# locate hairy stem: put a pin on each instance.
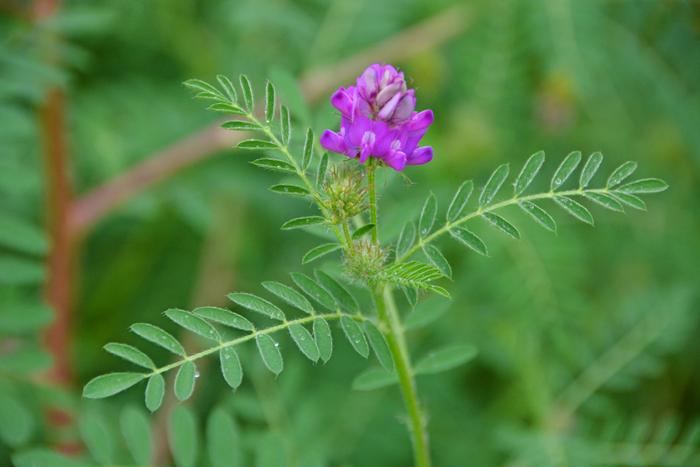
(348, 237)
(509, 202)
(388, 314)
(372, 198)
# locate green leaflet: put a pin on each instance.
(630, 200)
(324, 339)
(470, 240)
(459, 200)
(445, 359)
(270, 353)
(528, 172)
(247, 92)
(184, 380)
(231, 366)
(590, 169)
(300, 222)
(313, 290)
(182, 436)
(406, 239)
(256, 144)
(304, 341)
(285, 124)
(493, 185)
(575, 208)
(289, 295)
(565, 169)
(539, 215)
(308, 149)
(605, 200)
(364, 230)
(621, 173)
(223, 440)
(292, 190)
(110, 384)
(240, 125)
(155, 390)
(276, 165)
(344, 299)
(355, 336)
(322, 167)
(193, 323)
(501, 224)
(136, 429)
(228, 88)
(374, 378)
(645, 185)
(270, 102)
(319, 251)
(438, 260)
(379, 345)
(257, 304)
(427, 215)
(130, 353)
(159, 337)
(225, 317)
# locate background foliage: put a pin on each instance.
(587, 340)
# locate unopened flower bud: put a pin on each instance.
(365, 261)
(345, 193)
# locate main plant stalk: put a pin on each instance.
(389, 316)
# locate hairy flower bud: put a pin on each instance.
(365, 261)
(345, 193)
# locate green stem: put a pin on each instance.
(388, 315)
(372, 198)
(449, 225)
(348, 237)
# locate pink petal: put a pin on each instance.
(342, 101)
(333, 142)
(396, 160)
(420, 156)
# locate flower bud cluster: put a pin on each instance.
(365, 261)
(345, 193)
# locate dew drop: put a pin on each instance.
(277, 344)
(196, 374)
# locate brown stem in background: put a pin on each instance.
(315, 85)
(59, 285)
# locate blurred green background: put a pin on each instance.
(588, 340)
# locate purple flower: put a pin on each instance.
(378, 119)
